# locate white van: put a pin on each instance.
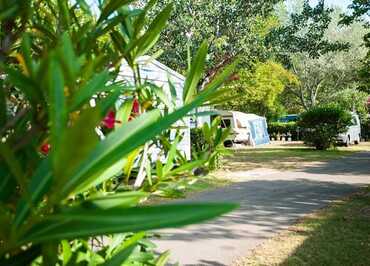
(353, 134)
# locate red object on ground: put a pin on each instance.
(136, 107)
(45, 148)
(110, 119)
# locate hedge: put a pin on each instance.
(277, 130)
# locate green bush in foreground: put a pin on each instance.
(207, 143)
(323, 124)
(56, 57)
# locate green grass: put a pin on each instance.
(337, 235)
(285, 156)
(185, 187)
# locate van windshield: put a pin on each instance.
(226, 123)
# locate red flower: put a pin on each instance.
(45, 148)
(136, 107)
(110, 119)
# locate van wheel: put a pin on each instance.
(357, 141)
(348, 142)
(228, 144)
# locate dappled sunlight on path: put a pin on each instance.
(270, 200)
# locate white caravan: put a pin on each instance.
(249, 129)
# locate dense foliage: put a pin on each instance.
(305, 33)
(208, 144)
(280, 130)
(360, 12)
(322, 125)
(60, 182)
(258, 91)
(234, 29)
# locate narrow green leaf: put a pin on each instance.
(130, 162)
(70, 62)
(148, 170)
(14, 165)
(162, 259)
(124, 112)
(195, 73)
(162, 96)
(40, 184)
(186, 167)
(93, 86)
(159, 169)
(121, 257)
(3, 108)
(118, 41)
(141, 20)
(75, 144)
(100, 176)
(110, 7)
(26, 52)
(124, 252)
(221, 78)
(79, 222)
(171, 156)
(66, 252)
(118, 144)
(57, 103)
(150, 37)
(23, 83)
(172, 90)
(64, 18)
(120, 199)
(84, 6)
(7, 184)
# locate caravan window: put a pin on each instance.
(226, 123)
(239, 124)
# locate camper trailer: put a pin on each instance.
(248, 129)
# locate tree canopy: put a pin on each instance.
(234, 29)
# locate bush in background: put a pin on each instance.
(323, 124)
(286, 129)
(365, 129)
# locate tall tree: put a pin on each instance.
(258, 91)
(360, 11)
(324, 56)
(305, 32)
(231, 27)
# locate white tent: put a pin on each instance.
(155, 72)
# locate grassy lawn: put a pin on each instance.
(186, 187)
(285, 156)
(337, 235)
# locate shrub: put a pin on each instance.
(52, 162)
(323, 124)
(207, 143)
(365, 129)
(291, 129)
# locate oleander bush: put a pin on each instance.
(58, 205)
(208, 144)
